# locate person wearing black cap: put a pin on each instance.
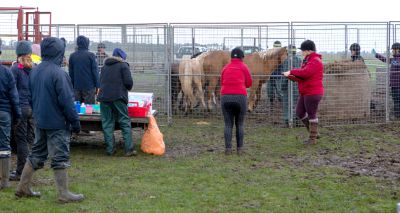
(310, 84)
(83, 71)
(355, 52)
(235, 78)
(9, 106)
(273, 85)
(394, 76)
(101, 55)
(24, 131)
(55, 116)
(115, 82)
(296, 63)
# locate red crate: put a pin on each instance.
(135, 111)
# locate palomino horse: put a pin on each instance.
(213, 63)
(261, 66)
(191, 77)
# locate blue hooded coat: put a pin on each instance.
(83, 67)
(9, 100)
(51, 89)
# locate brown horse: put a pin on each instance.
(261, 66)
(213, 63)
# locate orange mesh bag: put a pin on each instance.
(152, 140)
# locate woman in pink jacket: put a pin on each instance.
(311, 88)
(235, 78)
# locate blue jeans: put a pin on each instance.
(53, 143)
(5, 134)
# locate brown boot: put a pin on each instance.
(306, 123)
(313, 134)
(24, 186)
(228, 151)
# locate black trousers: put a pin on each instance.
(234, 109)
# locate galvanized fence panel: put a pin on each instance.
(188, 39)
(354, 93)
(146, 46)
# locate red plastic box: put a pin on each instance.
(135, 111)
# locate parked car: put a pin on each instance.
(187, 51)
(249, 49)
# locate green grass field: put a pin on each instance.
(352, 169)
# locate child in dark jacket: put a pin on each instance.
(24, 131)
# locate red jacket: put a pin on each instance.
(311, 74)
(235, 78)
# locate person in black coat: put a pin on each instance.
(115, 82)
(83, 71)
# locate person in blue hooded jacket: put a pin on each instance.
(9, 106)
(54, 112)
(83, 71)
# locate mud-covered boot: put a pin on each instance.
(24, 186)
(313, 134)
(240, 151)
(306, 123)
(5, 173)
(64, 195)
(228, 151)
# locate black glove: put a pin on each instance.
(76, 128)
(17, 121)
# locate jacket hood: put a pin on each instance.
(314, 55)
(82, 42)
(52, 49)
(112, 60)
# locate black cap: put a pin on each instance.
(355, 47)
(308, 45)
(237, 53)
(396, 46)
(101, 45)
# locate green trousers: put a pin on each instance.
(111, 112)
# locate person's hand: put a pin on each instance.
(97, 91)
(373, 52)
(76, 127)
(286, 74)
(17, 121)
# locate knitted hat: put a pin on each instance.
(277, 44)
(23, 48)
(308, 45)
(237, 53)
(36, 49)
(101, 45)
(119, 53)
(292, 48)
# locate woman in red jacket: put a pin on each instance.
(235, 78)
(309, 78)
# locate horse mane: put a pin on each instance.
(195, 55)
(271, 53)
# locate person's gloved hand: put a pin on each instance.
(17, 121)
(76, 127)
(373, 52)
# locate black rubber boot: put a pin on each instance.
(64, 195)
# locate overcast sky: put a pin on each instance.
(169, 11)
